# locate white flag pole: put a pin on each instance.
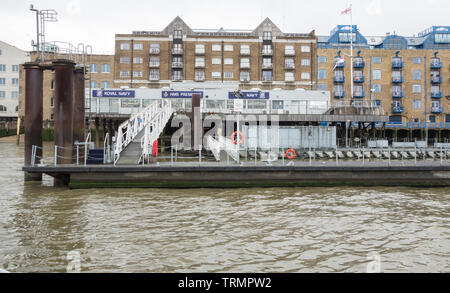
(351, 50)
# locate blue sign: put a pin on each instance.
(250, 95)
(179, 95)
(113, 94)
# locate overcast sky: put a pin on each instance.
(96, 21)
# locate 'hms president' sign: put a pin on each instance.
(113, 94)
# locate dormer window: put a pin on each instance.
(267, 36)
(178, 34)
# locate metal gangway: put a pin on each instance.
(138, 133)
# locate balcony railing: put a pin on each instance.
(398, 109)
(436, 95)
(267, 52)
(436, 80)
(154, 78)
(339, 78)
(359, 63)
(339, 94)
(155, 51)
(289, 52)
(177, 78)
(359, 79)
(177, 64)
(245, 52)
(177, 51)
(245, 65)
(397, 94)
(199, 51)
(289, 65)
(359, 94)
(397, 64)
(436, 64)
(397, 79)
(267, 65)
(200, 65)
(437, 110)
(154, 64)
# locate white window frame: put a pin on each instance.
(216, 47)
(216, 61)
(306, 62)
(216, 74)
(123, 59)
(124, 73)
(124, 46)
(306, 76)
(108, 66)
(306, 49)
(228, 61)
(228, 48)
(138, 60)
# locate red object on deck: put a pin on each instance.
(155, 148)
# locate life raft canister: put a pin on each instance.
(155, 148)
(241, 138)
(290, 154)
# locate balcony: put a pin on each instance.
(267, 52)
(177, 78)
(199, 51)
(397, 94)
(200, 78)
(154, 78)
(398, 109)
(155, 51)
(397, 79)
(436, 64)
(245, 66)
(436, 95)
(339, 94)
(245, 52)
(267, 66)
(359, 63)
(153, 64)
(436, 80)
(177, 64)
(339, 78)
(397, 64)
(200, 65)
(359, 95)
(177, 51)
(289, 53)
(359, 79)
(437, 110)
(289, 66)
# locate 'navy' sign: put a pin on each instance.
(180, 95)
(113, 94)
(250, 95)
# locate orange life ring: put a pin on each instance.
(290, 154)
(155, 148)
(241, 136)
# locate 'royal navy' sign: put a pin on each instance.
(249, 95)
(180, 94)
(113, 94)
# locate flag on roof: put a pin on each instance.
(347, 11)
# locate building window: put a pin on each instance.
(154, 61)
(3, 108)
(245, 63)
(94, 68)
(322, 86)
(138, 46)
(154, 74)
(124, 46)
(306, 62)
(417, 88)
(216, 74)
(267, 36)
(15, 68)
(124, 73)
(245, 76)
(289, 76)
(267, 75)
(199, 75)
(177, 75)
(105, 85)
(417, 104)
(278, 105)
(15, 81)
(432, 119)
(322, 74)
(2, 94)
(2, 81)
(377, 88)
(289, 50)
(442, 38)
(289, 63)
(154, 47)
(52, 102)
(377, 74)
(417, 75)
(306, 49)
(417, 60)
(435, 89)
(200, 49)
(52, 117)
(217, 47)
(1, 52)
(306, 75)
(228, 61)
(322, 59)
(106, 68)
(125, 60)
(377, 60)
(228, 75)
(216, 61)
(228, 48)
(2, 67)
(138, 60)
(200, 62)
(245, 49)
(94, 84)
(339, 89)
(177, 34)
(345, 37)
(14, 95)
(378, 103)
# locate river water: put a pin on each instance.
(207, 230)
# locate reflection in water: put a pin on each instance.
(204, 230)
